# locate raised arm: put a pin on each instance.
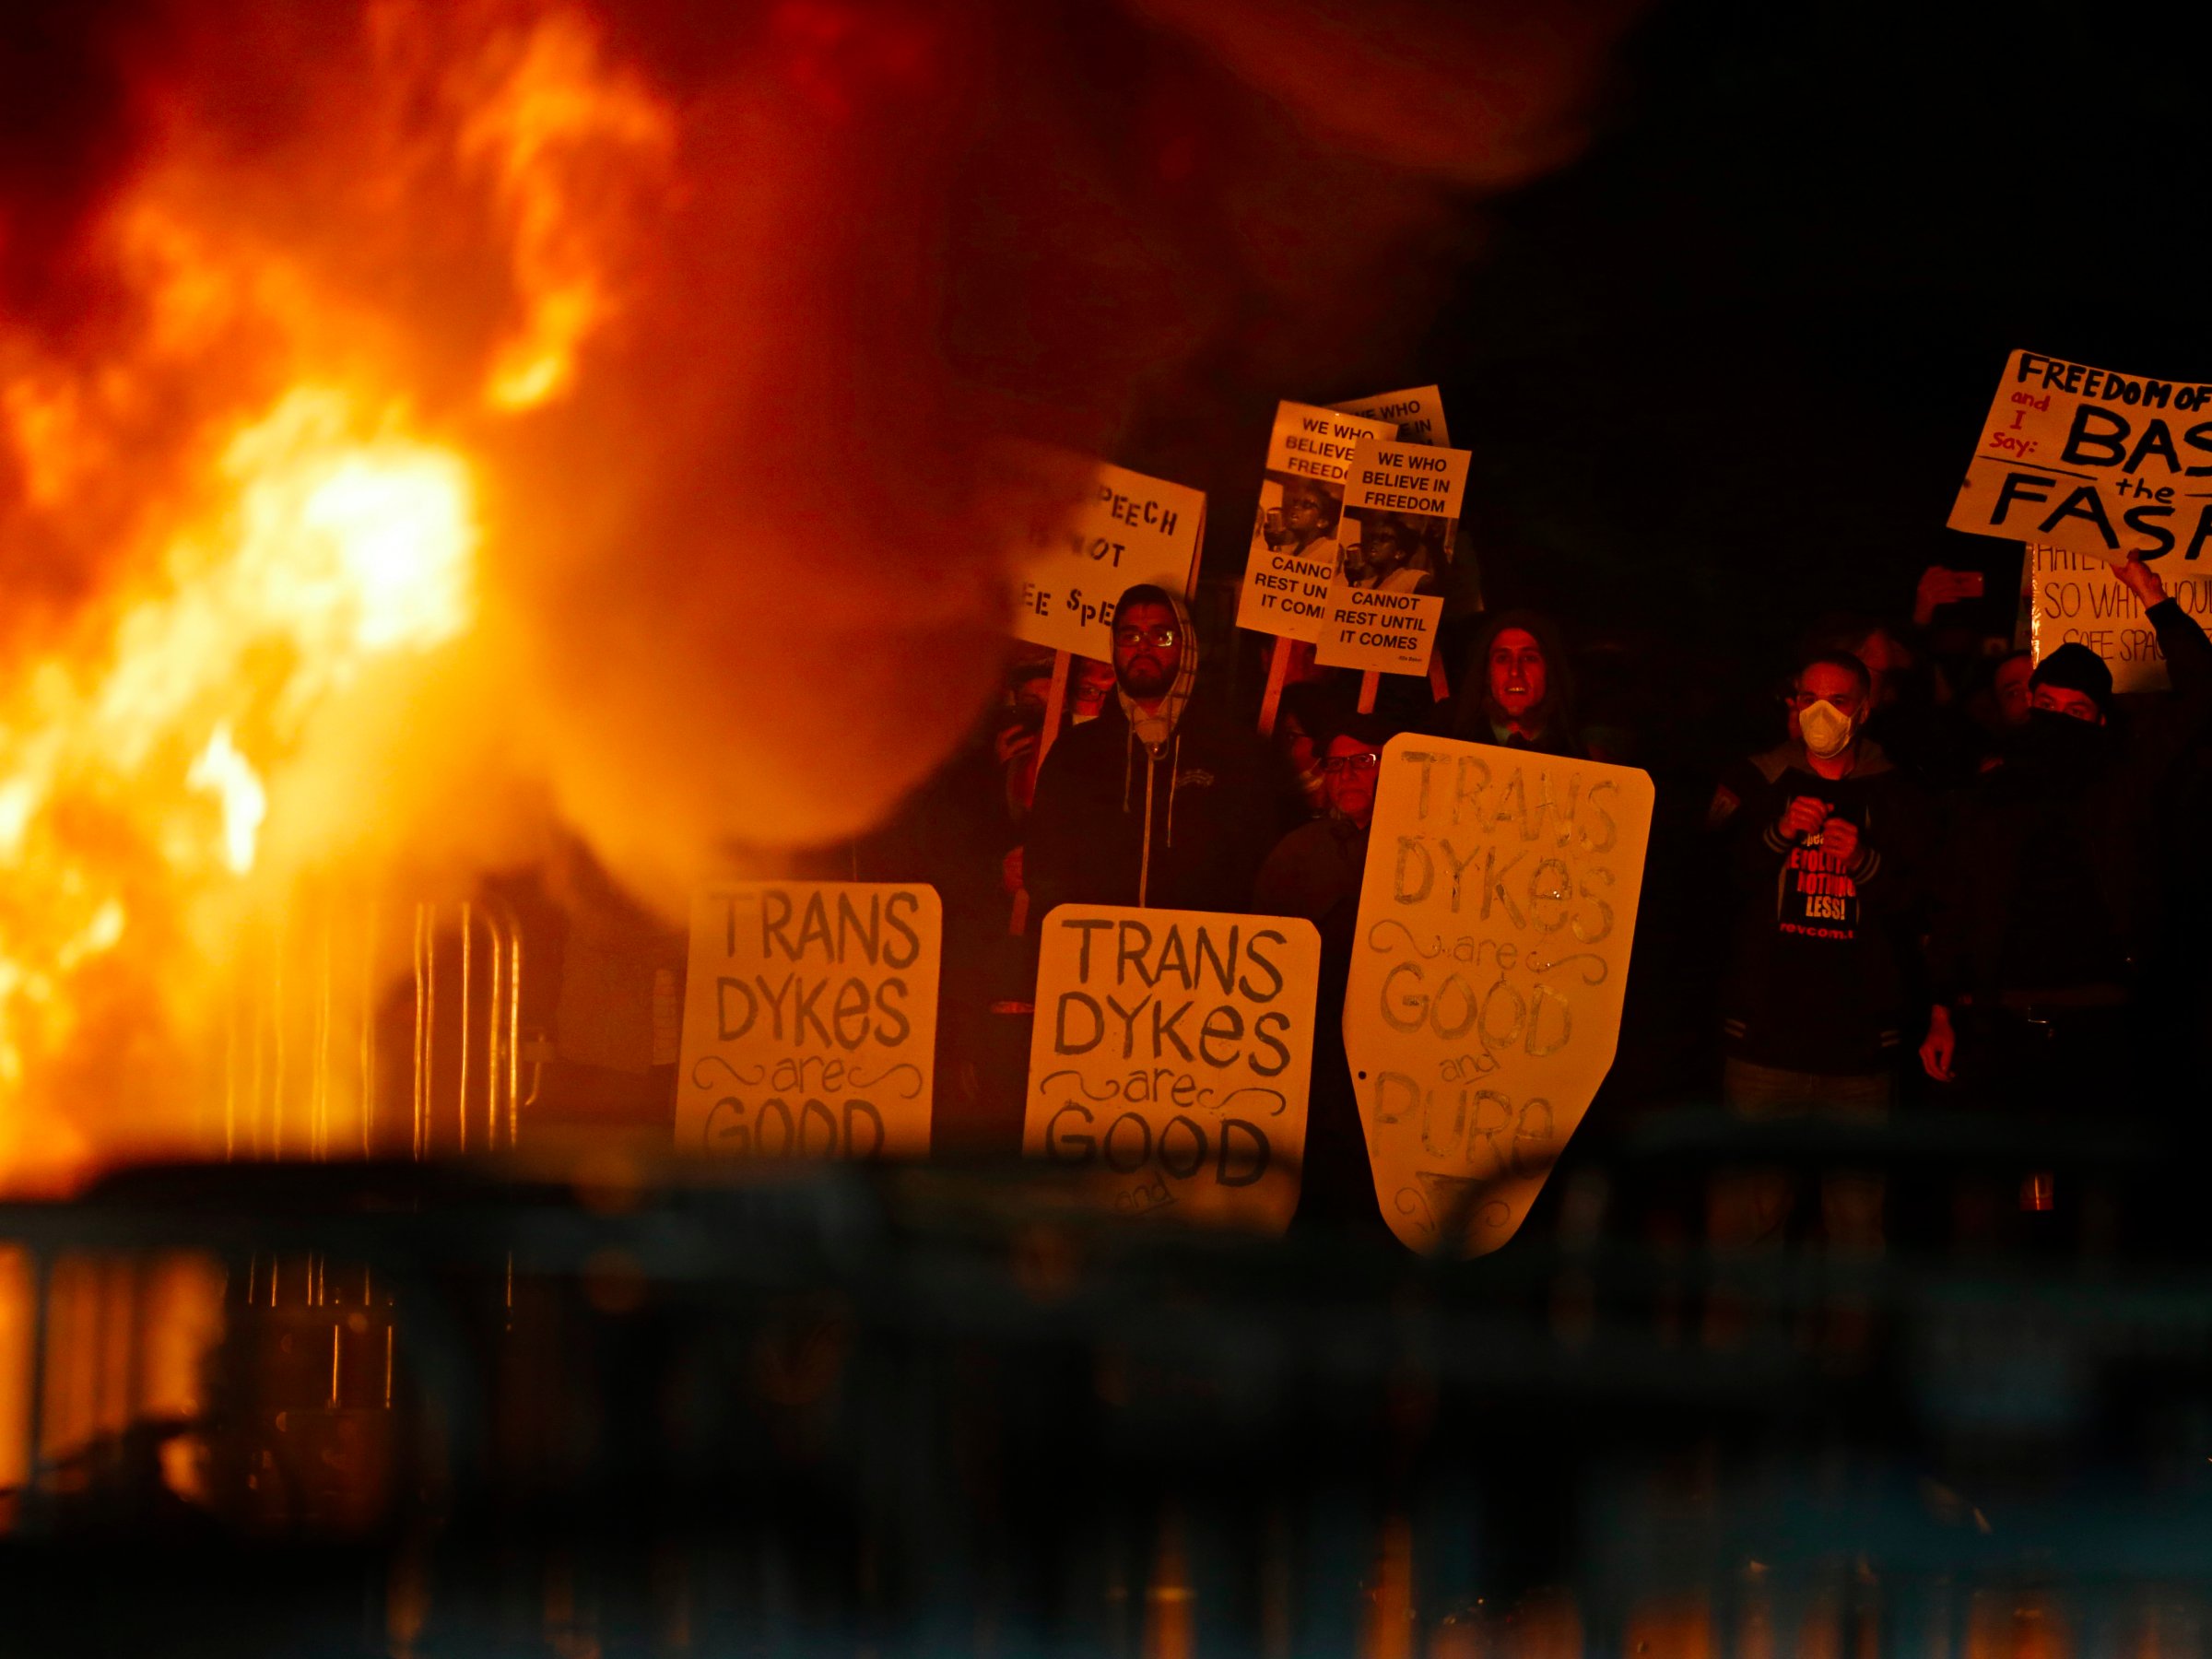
(2188, 655)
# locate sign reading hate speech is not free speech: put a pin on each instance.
(1171, 1058)
(2092, 461)
(1123, 528)
(2074, 599)
(810, 1015)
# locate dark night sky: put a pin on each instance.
(1724, 371)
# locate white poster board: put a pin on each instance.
(1496, 914)
(2092, 461)
(1418, 412)
(810, 1019)
(1171, 1058)
(1295, 546)
(1388, 591)
(1125, 528)
(2075, 598)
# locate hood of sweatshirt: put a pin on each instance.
(1154, 730)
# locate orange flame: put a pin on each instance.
(268, 516)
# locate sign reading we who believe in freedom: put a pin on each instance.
(1382, 616)
(1296, 539)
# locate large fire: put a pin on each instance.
(267, 510)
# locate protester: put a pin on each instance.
(1923, 670)
(2053, 892)
(1316, 869)
(1165, 799)
(1314, 872)
(2010, 690)
(1518, 688)
(1304, 719)
(1028, 688)
(1829, 844)
(1089, 685)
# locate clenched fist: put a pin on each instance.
(1840, 837)
(1803, 815)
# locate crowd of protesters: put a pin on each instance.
(1941, 883)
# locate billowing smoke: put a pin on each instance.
(422, 423)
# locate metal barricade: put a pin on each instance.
(102, 1352)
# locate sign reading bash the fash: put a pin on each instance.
(1495, 913)
(810, 1019)
(1388, 591)
(1295, 540)
(2074, 599)
(2092, 462)
(1125, 529)
(1172, 1057)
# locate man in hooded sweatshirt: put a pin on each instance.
(1517, 689)
(1162, 800)
(2051, 894)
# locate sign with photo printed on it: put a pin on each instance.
(1388, 593)
(1295, 538)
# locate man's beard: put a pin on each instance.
(1146, 677)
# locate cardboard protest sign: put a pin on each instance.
(1495, 913)
(1172, 1057)
(1123, 529)
(2074, 599)
(1418, 411)
(810, 1019)
(1295, 547)
(1388, 591)
(2092, 462)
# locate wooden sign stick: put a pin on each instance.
(1279, 670)
(1056, 704)
(1370, 683)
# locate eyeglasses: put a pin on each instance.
(1162, 636)
(1846, 701)
(1352, 763)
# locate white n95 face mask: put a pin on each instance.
(1825, 727)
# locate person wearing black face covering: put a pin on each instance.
(2049, 896)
